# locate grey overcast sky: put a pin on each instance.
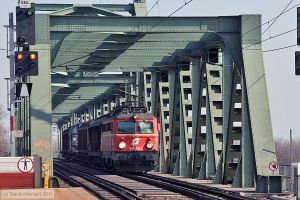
(283, 85)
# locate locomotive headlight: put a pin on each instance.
(149, 145)
(122, 145)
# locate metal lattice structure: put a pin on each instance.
(202, 76)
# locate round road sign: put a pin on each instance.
(273, 166)
(25, 165)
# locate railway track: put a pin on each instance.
(191, 190)
(105, 184)
(187, 190)
(101, 188)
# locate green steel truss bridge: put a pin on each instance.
(203, 77)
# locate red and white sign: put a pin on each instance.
(25, 165)
(16, 173)
(273, 166)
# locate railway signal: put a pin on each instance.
(25, 23)
(26, 63)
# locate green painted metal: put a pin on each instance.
(196, 95)
(259, 110)
(85, 10)
(144, 24)
(174, 111)
(234, 134)
(84, 44)
(93, 80)
(183, 147)
(210, 159)
(111, 7)
(214, 89)
(199, 117)
(40, 107)
(227, 91)
(248, 160)
(40, 100)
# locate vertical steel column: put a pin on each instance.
(41, 109)
(139, 86)
(227, 89)
(196, 111)
(154, 93)
(183, 150)
(210, 164)
(248, 160)
(41, 100)
(174, 125)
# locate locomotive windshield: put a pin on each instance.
(126, 127)
(145, 127)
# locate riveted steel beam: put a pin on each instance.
(84, 10)
(93, 80)
(144, 24)
(111, 7)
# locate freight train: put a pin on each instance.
(125, 140)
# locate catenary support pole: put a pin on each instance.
(12, 82)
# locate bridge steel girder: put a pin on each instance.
(110, 7)
(40, 100)
(241, 70)
(240, 37)
(93, 80)
(145, 24)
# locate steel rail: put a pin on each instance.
(191, 190)
(187, 189)
(62, 174)
(123, 192)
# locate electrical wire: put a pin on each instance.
(160, 20)
(272, 37)
(175, 11)
(72, 60)
(156, 3)
(271, 19)
(280, 48)
(277, 17)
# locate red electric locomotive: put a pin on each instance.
(128, 139)
(125, 139)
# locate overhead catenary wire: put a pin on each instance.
(175, 11)
(286, 11)
(277, 17)
(272, 37)
(280, 48)
(160, 20)
(156, 3)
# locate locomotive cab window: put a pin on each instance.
(145, 127)
(126, 127)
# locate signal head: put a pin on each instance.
(32, 56)
(19, 56)
(29, 12)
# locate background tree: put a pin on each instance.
(282, 146)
